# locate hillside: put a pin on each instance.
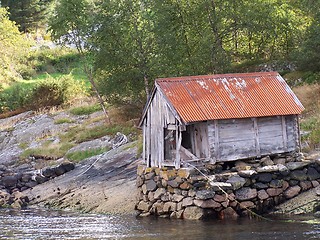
(33, 145)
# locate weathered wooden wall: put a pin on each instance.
(233, 139)
(158, 117)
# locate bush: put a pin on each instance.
(56, 91)
(50, 92)
(16, 97)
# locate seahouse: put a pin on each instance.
(219, 118)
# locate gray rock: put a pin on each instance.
(170, 207)
(229, 213)
(264, 177)
(9, 181)
(205, 194)
(193, 213)
(245, 194)
(103, 142)
(272, 192)
(188, 201)
(266, 161)
(299, 175)
(159, 192)
(268, 169)
(276, 183)
(237, 182)
(260, 185)
(173, 183)
(177, 197)
(313, 174)
(296, 165)
(292, 192)
(151, 185)
(59, 170)
(247, 173)
(143, 206)
(262, 194)
(48, 172)
(206, 203)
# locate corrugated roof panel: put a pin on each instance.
(223, 96)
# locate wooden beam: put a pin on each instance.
(188, 153)
(216, 140)
(178, 146)
(284, 133)
(256, 136)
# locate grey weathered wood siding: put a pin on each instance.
(158, 117)
(233, 139)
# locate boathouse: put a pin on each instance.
(219, 118)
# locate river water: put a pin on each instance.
(48, 224)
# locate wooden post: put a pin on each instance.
(256, 136)
(178, 145)
(216, 140)
(284, 133)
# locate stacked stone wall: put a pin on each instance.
(243, 189)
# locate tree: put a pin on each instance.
(308, 55)
(125, 56)
(28, 14)
(72, 24)
(13, 46)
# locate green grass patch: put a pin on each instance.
(85, 110)
(63, 120)
(81, 155)
(55, 151)
(311, 125)
(83, 134)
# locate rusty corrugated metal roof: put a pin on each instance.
(225, 96)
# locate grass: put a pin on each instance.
(309, 95)
(53, 151)
(81, 155)
(85, 110)
(63, 120)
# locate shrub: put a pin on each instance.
(56, 91)
(16, 97)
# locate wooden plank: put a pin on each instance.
(189, 154)
(216, 140)
(256, 136)
(144, 129)
(148, 140)
(284, 133)
(236, 151)
(178, 145)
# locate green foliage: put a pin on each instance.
(312, 126)
(50, 92)
(57, 60)
(13, 47)
(28, 14)
(141, 40)
(85, 110)
(55, 92)
(309, 57)
(17, 96)
(81, 155)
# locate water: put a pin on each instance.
(46, 224)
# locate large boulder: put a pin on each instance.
(194, 213)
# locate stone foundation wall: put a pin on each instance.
(223, 191)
